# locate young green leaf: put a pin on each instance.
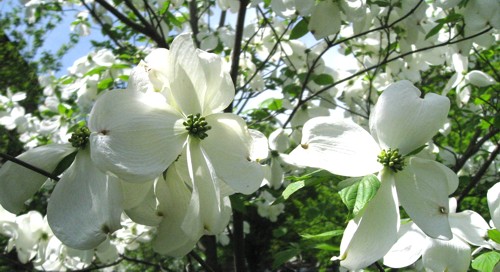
(357, 195)
(486, 262)
(323, 236)
(494, 235)
(299, 30)
(283, 256)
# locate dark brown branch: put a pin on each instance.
(473, 147)
(382, 63)
(137, 27)
(104, 28)
(193, 21)
(238, 37)
(29, 166)
(200, 261)
(479, 174)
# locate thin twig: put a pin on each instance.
(29, 166)
(479, 174)
(200, 261)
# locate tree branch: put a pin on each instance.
(29, 166)
(479, 174)
(379, 64)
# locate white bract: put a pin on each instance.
(171, 112)
(468, 228)
(493, 197)
(85, 205)
(400, 123)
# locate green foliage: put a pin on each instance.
(300, 29)
(486, 261)
(357, 192)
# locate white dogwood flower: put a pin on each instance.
(400, 123)
(172, 112)
(85, 205)
(468, 228)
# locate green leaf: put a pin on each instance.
(453, 17)
(306, 180)
(64, 164)
(323, 79)
(416, 151)
(283, 256)
(238, 203)
(327, 247)
(494, 235)
(105, 83)
(486, 262)
(300, 29)
(292, 188)
(357, 195)
(273, 104)
(434, 30)
(95, 71)
(323, 236)
(381, 3)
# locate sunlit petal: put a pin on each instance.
(85, 205)
(423, 192)
(219, 92)
(493, 197)
(18, 184)
(228, 147)
(470, 226)
(339, 146)
(453, 255)
(206, 201)
(135, 135)
(401, 119)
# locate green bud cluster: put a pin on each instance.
(392, 159)
(80, 137)
(197, 126)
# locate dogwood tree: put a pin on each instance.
(237, 135)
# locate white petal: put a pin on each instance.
(259, 149)
(470, 227)
(377, 230)
(174, 197)
(18, 184)
(339, 146)
(279, 141)
(479, 78)
(135, 135)
(139, 79)
(423, 192)
(199, 83)
(135, 193)
(401, 119)
(409, 247)
(206, 202)
(219, 91)
(85, 205)
(157, 63)
(146, 212)
(325, 19)
(453, 255)
(228, 148)
(493, 197)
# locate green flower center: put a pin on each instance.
(392, 159)
(197, 126)
(80, 137)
